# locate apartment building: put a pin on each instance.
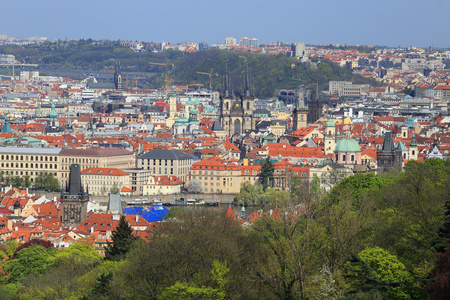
(218, 176)
(101, 180)
(163, 185)
(29, 161)
(93, 158)
(334, 86)
(166, 162)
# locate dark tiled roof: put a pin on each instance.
(165, 154)
(95, 152)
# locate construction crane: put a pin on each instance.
(167, 64)
(173, 80)
(198, 85)
(210, 74)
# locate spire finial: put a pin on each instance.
(226, 80)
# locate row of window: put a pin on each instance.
(32, 158)
(21, 165)
(24, 173)
(80, 160)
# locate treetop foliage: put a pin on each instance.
(373, 237)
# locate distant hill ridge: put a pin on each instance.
(267, 72)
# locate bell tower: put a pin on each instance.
(300, 113)
(225, 107)
(330, 137)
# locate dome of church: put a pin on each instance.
(53, 112)
(330, 123)
(347, 144)
(189, 102)
(181, 121)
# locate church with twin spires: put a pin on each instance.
(236, 115)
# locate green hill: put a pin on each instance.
(267, 72)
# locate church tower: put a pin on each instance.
(300, 113)
(225, 107)
(118, 77)
(74, 199)
(413, 148)
(172, 108)
(330, 137)
(315, 106)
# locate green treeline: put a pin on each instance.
(267, 72)
(371, 237)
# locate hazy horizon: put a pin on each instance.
(390, 23)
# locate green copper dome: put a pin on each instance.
(330, 123)
(181, 121)
(53, 113)
(347, 145)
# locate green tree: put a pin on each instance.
(389, 269)
(191, 291)
(47, 181)
(114, 189)
(443, 236)
(17, 181)
(183, 252)
(249, 194)
(266, 175)
(122, 241)
(363, 282)
(34, 259)
(411, 211)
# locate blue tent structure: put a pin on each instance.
(155, 213)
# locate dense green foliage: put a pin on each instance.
(351, 243)
(267, 72)
(122, 241)
(266, 174)
(47, 181)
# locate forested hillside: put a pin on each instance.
(267, 72)
(371, 237)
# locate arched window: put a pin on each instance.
(226, 106)
(248, 105)
(413, 152)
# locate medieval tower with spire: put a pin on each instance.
(74, 199)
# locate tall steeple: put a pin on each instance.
(226, 81)
(247, 85)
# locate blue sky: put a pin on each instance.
(381, 22)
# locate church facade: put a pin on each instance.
(236, 115)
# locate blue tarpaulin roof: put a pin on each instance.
(154, 213)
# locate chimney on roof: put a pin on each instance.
(16, 228)
(137, 219)
(92, 229)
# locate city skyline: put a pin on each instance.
(386, 23)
